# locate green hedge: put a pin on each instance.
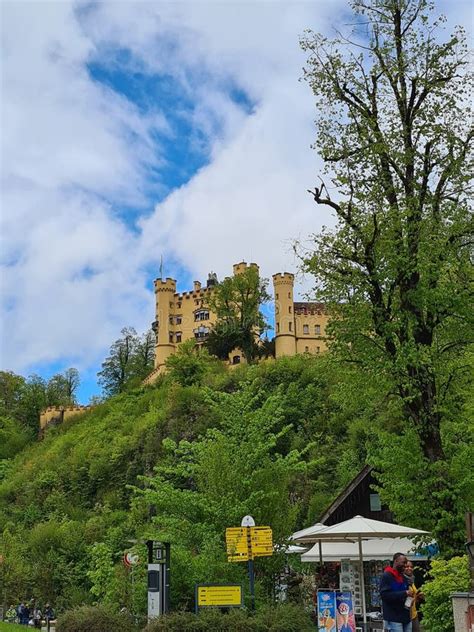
(282, 618)
(447, 577)
(94, 619)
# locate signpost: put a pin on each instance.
(246, 542)
(130, 559)
(218, 596)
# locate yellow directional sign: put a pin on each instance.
(245, 543)
(214, 595)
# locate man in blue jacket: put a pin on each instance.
(396, 596)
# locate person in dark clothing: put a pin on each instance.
(396, 596)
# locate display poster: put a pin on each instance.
(345, 612)
(326, 611)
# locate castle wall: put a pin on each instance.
(311, 320)
(58, 414)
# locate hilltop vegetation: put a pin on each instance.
(186, 458)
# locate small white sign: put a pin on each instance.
(247, 521)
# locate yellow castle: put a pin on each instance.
(299, 327)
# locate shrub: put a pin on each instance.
(447, 577)
(94, 619)
(282, 618)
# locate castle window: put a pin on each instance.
(276, 297)
(236, 359)
(171, 320)
(306, 329)
(278, 328)
(179, 305)
(196, 302)
(290, 326)
(318, 349)
(289, 309)
(317, 329)
(289, 294)
(201, 332)
(306, 349)
(201, 314)
(171, 305)
(178, 337)
(179, 320)
(171, 338)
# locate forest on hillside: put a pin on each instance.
(184, 459)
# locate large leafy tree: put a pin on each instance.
(393, 131)
(130, 359)
(236, 302)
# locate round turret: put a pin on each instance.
(165, 290)
(285, 334)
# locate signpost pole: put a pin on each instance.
(252, 584)
(251, 569)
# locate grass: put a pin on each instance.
(13, 627)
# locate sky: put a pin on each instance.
(135, 133)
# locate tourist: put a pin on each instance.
(417, 596)
(397, 596)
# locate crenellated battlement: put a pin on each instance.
(283, 278)
(240, 268)
(165, 285)
(54, 415)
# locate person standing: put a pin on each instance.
(417, 597)
(397, 596)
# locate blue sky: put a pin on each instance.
(135, 131)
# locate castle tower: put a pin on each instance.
(240, 268)
(285, 334)
(165, 290)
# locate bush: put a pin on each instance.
(447, 577)
(282, 618)
(94, 619)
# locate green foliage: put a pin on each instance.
(190, 364)
(129, 361)
(94, 619)
(396, 273)
(181, 463)
(447, 577)
(11, 627)
(282, 618)
(13, 437)
(22, 399)
(236, 302)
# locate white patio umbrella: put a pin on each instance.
(306, 536)
(355, 530)
(382, 549)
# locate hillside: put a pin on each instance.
(181, 461)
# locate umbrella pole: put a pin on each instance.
(320, 553)
(362, 583)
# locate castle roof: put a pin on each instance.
(302, 307)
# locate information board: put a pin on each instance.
(219, 596)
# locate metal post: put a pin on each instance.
(362, 583)
(252, 584)
(167, 570)
(251, 569)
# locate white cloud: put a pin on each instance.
(74, 151)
